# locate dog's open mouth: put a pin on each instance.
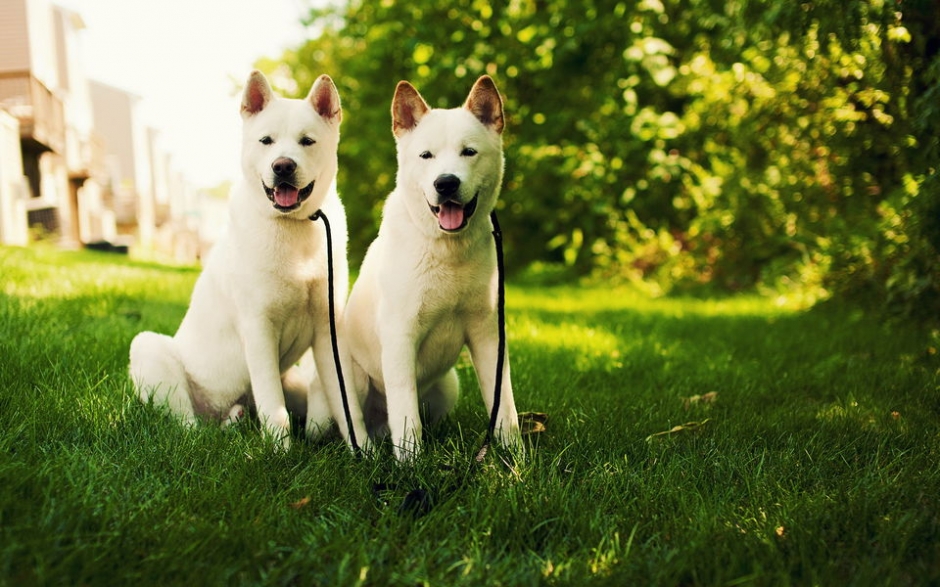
(287, 197)
(453, 216)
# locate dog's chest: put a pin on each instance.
(296, 303)
(446, 313)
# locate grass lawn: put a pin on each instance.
(688, 442)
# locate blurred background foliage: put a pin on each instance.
(684, 145)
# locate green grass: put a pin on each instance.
(816, 463)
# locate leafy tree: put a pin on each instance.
(787, 145)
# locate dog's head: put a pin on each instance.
(289, 146)
(450, 161)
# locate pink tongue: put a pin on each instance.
(285, 195)
(450, 216)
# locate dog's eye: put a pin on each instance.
(468, 152)
(426, 155)
(266, 140)
(306, 141)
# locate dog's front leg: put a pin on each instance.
(327, 372)
(263, 359)
(483, 344)
(401, 394)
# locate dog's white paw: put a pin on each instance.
(509, 434)
(407, 452)
(276, 428)
(235, 415)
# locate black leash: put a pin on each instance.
(319, 215)
(501, 348)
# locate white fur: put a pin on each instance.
(423, 292)
(261, 300)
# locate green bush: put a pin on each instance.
(786, 146)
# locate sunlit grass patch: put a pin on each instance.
(43, 272)
(595, 299)
(589, 347)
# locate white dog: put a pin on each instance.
(428, 284)
(261, 300)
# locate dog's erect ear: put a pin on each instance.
(257, 94)
(407, 108)
(325, 99)
(484, 102)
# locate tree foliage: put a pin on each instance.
(786, 145)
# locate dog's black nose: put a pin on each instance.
(283, 166)
(447, 184)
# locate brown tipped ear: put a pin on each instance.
(484, 102)
(407, 108)
(257, 94)
(325, 99)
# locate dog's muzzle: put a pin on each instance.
(285, 194)
(452, 215)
